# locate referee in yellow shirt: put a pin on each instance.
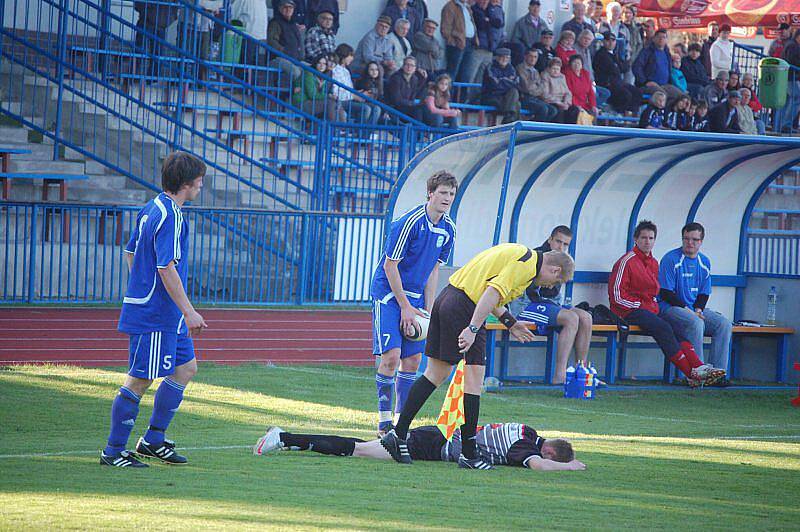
(488, 282)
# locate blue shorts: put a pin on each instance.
(386, 333)
(543, 313)
(156, 354)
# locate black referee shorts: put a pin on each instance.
(426, 443)
(452, 311)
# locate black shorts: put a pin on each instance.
(452, 312)
(426, 443)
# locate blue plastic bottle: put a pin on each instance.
(569, 383)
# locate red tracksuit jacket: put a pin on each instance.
(633, 283)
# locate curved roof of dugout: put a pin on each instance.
(520, 180)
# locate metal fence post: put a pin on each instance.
(32, 257)
(301, 276)
(105, 8)
(62, 47)
(183, 55)
(322, 171)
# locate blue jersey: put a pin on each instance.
(684, 276)
(161, 236)
(418, 244)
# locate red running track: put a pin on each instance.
(89, 337)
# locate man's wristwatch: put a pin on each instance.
(473, 328)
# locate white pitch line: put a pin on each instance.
(230, 447)
(73, 453)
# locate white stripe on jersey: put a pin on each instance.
(618, 299)
(142, 300)
(176, 239)
(451, 223)
(407, 226)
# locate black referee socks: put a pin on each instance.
(417, 395)
(472, 406)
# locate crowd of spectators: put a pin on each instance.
(603, 57)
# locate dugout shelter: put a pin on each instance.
(519, 180)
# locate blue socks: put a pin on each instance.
(405, 380)
(165, 404)
(385, 388)
(124, 410)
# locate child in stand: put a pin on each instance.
(679, 118)
(654, 116)
(677, 77)
(700, 118)
(437, 111)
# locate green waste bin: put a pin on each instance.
(773, 82)
(232, 46)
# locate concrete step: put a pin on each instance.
(84, 191)
(45, 166)
(13, 135)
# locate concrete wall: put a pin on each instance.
(757, 355)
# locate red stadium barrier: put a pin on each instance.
(89, 337)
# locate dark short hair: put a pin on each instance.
(180, 169)
(645, 225)
(662, 30)
(441, 178)
(694, 226)
(575, 57)
(562, 448)
(534, 3)
(702, 104)
(562, 230)
(695, 47)
(344, 50)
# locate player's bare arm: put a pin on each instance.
(407, 311)
(172, 282)
(543, 464)
(518, 330)
(430, 287)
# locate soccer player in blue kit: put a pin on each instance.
(158, 317)
(404, 283)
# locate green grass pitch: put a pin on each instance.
(679, 459)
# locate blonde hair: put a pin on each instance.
(563, 261)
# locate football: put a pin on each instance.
(421, 328)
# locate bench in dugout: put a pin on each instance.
(615, 354)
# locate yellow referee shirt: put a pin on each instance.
(508, 268)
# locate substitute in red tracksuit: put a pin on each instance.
(632, 290)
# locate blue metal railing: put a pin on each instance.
(124, 94)
(72, 253)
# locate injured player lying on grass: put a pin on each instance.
(512, 444)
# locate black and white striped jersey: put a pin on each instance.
(500, 443)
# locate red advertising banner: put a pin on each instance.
(684, 14)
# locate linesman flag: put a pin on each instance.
(452, 415)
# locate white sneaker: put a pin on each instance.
(707, 374)
(271, 441)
